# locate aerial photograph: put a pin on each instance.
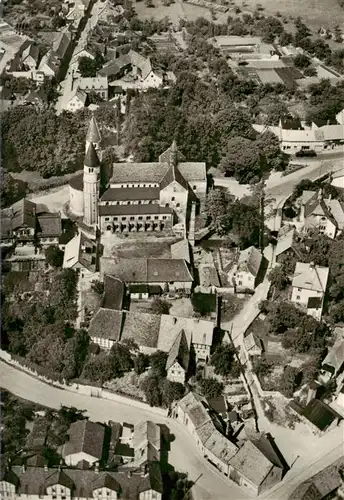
(172, 249)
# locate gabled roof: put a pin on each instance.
(23, 214)
(250, 261)
(319, 486)
(221, 446)
(172, 155)
(91, 157)
(173, 175)
(200, 331)
(79, 94)
(320, 414)
(129, 194)
(152, 270)
(113, 293)
(107, 324)
(179, 352)
(32, 50)
(59, 477)
(104, 480)
(310, 277)
(61, 43)
(85, 436)
(80, 250)
(93, 134)
(141, 327)
(252, 463)
(285, 242)
(146, 442)
(198, 415)
(49, 224)
(181, 250)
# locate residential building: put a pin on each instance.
(146, 442)
(245, 275)
(320, 486)
(286, 244)
(256, 466)
(173, 274)
(113, 293)
(181, 250)
(320, 416)
(62, 43)
(49, 64)
(200, 332)
(105, 327)
(86, 440)
(29, 224)
(30, 56)
(133, 71)
(325, 215)
(81, 253)
(333, 364)
(98, 85)
(305, 138)
(177, 363)
(48, 483)
(76, 100)
(309, 287)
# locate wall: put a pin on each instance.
(76, 201)
(304, 295)
(87, 390)
(75, 458)
(176, 197)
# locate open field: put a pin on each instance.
(315, 13)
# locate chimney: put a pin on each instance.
(320, 194)
(311, 265)
(96, 469)
(23, 468)
(174, 321)
(130, 473)
(329, 199)
(46, 468)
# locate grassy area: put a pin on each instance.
(134, 249)
(278, 411)
(231, 306)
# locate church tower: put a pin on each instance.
(91, 186)
(93, 135)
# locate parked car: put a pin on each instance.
(305, 153)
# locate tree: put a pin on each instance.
(278, 278)
(97, 287)
(171, 391)
(289, 381)
(310, 71)
(11, 190)
(158, 363)
(160, 306)
(282, 316)
(120, 360)
(301, 61)
(211, 387)
(54, 256)
(89, 67)
(261, 366)
(203, 303)
(151, 388)
(222, 359)
(242, 160)
(218, 203)
(141, 362)
(176, 485)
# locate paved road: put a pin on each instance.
(183, 455)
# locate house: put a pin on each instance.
(46, 483)
(37, 98)
(243, 48)
(181, 250)
(98, 85)
(198, 330)
(113, 293)
(320, 486)
(105, 327)
(146, 442)
(81, 253)
(49, 64)
(30, 56)
(245, 275)
(75, 101)
(142, 328)
(62, 43)
(286, 245)
(253, 344)
(26, 223)
(338, 179)
(333, 364)
(171, 273)
(86, 440)
(256, 466)
(134, 71)
(177, 363)
(322, 214)
(309, 287)
(319, 415)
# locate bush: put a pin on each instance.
(222, 359)
(54, 256)
(160, 306)
(203, 303)
(211, 387)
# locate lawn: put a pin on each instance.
(315, 13)
(135, 247)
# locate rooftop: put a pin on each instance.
(221, 446)
(113, 293)
(251, 463)
(129, 194)
(250, 261)
(181, 250)
(198, 415)
(142, 328)
(85, 436)
(144, 209)
(335, 356)
(152, 270)
(179, 352)
(310, 277)
(82, 251)
(107, 324)
(200, 331)
(320, 414)
(49, 224)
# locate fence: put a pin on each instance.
(86, 390)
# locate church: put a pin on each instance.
(153, 196)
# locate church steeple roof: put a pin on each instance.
(93, 134)
(91, 157)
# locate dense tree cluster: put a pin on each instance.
(89, 67)
(229, 216)
(223, 361)
(211, 387)
(11, 189)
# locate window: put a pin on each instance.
(298, 297)
(90, 170)
(115, 218)
(156, 217)
(132, 218)
(107, 218)
(240, 282)
(124, 218)
(164, 217)
(139, 202)
(173, 198)
(194, 188)
(177, 204)
(167, 205)
(148, 217)
(140, 217)
(299, 289)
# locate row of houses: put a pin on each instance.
(295, 136)
(254, 464)
(135, 451)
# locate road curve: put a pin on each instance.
(184, 455)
